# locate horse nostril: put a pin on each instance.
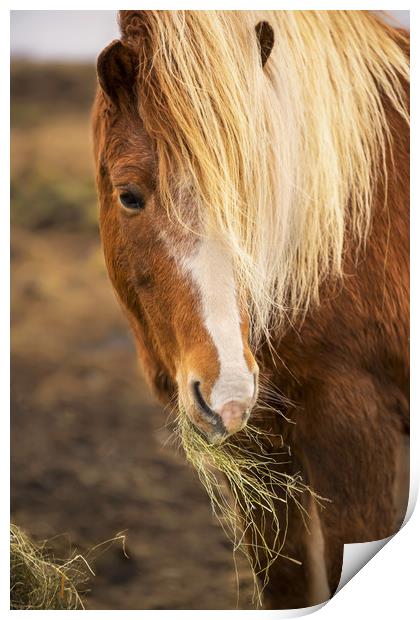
(200, 400)
(208, 414)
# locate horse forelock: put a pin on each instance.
(281, 162)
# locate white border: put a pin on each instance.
(388, 585)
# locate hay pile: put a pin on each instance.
(39, 581)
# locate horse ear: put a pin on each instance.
(265, 37)
(117, 71)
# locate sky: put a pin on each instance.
(61, 35)
(76, 35)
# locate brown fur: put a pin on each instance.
(345, 369)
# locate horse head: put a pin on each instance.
(175, 280)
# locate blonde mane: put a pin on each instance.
(281, 162)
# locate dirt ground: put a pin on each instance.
(92, 451)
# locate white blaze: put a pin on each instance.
(210, 268)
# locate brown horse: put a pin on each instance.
(253, 179)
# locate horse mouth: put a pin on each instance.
(217, 427)
(215, 439)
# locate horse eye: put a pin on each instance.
(132, 199)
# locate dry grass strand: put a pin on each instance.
(255, 481)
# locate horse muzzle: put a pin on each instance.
(230, 417)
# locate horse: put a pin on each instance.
(252, 170)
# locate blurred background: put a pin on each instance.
(92, 451)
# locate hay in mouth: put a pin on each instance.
(257, 484)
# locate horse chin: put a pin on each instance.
(205, 430)
(213, 439)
